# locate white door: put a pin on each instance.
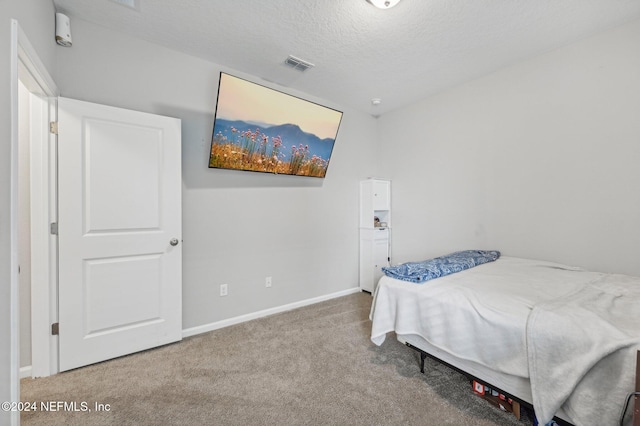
(119, 226)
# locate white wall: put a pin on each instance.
(238, 227)
(538, 160)
(36, 19)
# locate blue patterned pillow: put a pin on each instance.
(419, 272)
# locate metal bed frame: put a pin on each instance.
(559, 421)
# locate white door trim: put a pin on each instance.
(14, 357)
(27, 67)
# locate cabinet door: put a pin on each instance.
(381, 195)
(380, 259)
(366, 261)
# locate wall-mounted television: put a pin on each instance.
(263, 130)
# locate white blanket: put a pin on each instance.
(479, 314)
(582, 351)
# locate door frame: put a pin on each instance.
(27, 67)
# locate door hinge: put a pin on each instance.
(54, 228)
(53, 127)
(55, 328)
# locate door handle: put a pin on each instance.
(174, 242)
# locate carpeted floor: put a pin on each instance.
(311, 366)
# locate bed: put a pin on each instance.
(559, 338)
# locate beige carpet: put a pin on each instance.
(311, 366)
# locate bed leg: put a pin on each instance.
(423, 356)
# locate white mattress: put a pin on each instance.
(479, 315)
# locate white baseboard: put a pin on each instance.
(25, 372)
(260, 314)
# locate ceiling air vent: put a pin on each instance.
(297, 63)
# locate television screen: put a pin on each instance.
(263, 130)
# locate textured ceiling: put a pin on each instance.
(400, 55)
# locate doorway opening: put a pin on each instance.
(33, 261)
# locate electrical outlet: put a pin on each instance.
(267, 282)
(224, 289)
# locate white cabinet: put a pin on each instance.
(375, 201)
(375, 223)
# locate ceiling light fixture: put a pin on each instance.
(384, 4)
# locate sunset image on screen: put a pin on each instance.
(260, 129)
